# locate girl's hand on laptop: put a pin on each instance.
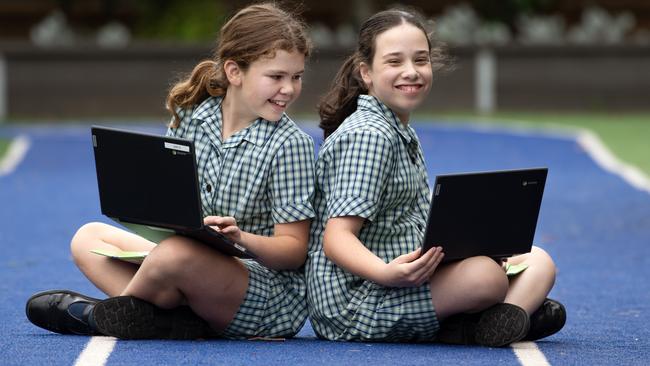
(411, 269)
(226, 225)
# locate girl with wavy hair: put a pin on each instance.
(255, 170)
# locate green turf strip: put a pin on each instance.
(627, 135)
(4, 145)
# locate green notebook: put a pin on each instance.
(131, 257)
(515, 269)
(153, 234)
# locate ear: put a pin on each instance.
(233, 72)
(365, 72)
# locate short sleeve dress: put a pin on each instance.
(262, 175)
(372, 166)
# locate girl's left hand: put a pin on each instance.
(225, 225)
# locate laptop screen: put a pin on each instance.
(147, 179)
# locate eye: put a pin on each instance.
(276, 77)
(297, 77)
(393, 61)
(422, 60)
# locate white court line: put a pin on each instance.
(96, 352)
(606, 160)
(98, 349)
(529, 355)
(15, 154)
(527, 352)
(586, 139)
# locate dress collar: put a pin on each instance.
(210, 113)
(371, 103)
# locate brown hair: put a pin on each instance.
(255, 31)
(341, 99)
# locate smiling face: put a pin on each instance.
(269, 85)
(400, 75)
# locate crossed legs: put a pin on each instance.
(529, 289)
(109, 275)
(182, 271)
(178, 271)
(467, 286)
(473, 284)
(478, 304)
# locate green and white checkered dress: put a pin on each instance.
(262, 175)
(372, 166)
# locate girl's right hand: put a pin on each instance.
(411, 269)
(225, 225)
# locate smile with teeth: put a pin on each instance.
(279, 103)
(409, 88)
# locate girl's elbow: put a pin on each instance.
(327, 247)
(298, 257)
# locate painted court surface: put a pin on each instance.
(593, 222)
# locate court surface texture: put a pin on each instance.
(593, 223)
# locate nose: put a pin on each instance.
(287, 88)
(410, 72)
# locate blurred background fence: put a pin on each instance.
(112, 58)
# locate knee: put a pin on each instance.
(172, 258)
(485, 281)
(82, 239)
(543, 263)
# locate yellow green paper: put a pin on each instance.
(515, 269)
(131, 257)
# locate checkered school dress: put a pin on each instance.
(372, 166)
(262, 175)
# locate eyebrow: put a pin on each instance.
(285, 72)
(397, 53)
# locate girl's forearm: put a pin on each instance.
(346, 251)
(279, 252)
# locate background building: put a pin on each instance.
(112, 58)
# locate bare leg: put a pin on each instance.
(529, 289)
(468, 286)
(180, 270)
(110, 276)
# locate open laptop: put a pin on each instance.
(488, 213)
(152, 181)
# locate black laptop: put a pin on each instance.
(488, 213)
(152, 181)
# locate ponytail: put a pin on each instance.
(255, 31)
(207, 79)
(341, 100)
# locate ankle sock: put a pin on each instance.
(84, 312)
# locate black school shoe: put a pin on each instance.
(61, 311)
(496, 326)
(128, 317)
(547, 320)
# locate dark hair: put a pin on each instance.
(253, 32)
(341, 99)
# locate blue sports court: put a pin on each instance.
(593, 223)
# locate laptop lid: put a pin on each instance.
(486, 213)
(147, 179)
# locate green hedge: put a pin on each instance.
(179, 20)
